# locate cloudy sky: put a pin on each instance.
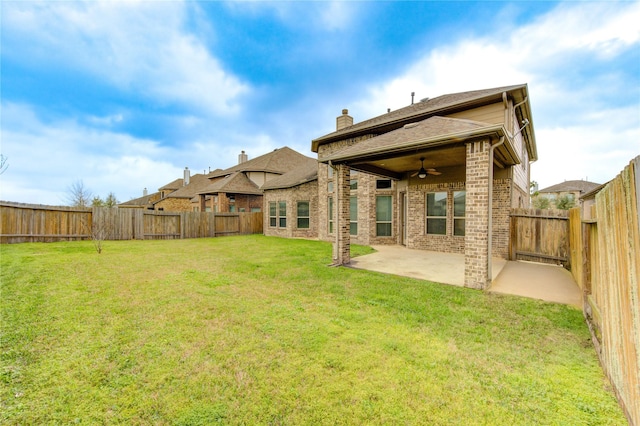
(124, 95)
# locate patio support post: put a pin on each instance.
(476, 250)
(343, 236)
(202, 202)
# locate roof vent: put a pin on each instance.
(424, 99)
(410, 125)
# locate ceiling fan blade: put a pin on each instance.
(433, 172)
(414, 174)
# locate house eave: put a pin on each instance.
(493, 132)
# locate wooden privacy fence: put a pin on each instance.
(540, 236)
(605, 254)
(38, 223)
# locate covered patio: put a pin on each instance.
(533, 280)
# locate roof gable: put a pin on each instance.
(305, 172)
(277, 161)
(235, 183)
(197, 183)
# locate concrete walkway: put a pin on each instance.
(533, 280)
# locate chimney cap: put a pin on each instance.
(345, 111)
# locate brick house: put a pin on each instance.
(291, 202)
(180, 198)
(419, 176)
(239, 188)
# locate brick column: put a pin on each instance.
(202, 202)
(223, 203)
(343, 236)
(476, 252)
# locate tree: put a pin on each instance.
(565, 202)
(78, 195)
(97, 201)
(3, 164)
(111, 200)
(541, 203)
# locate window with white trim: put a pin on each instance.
(384, 215)
(459, 207)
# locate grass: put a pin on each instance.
(259, 330)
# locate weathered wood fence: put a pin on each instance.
(540, 236)
(38, 223)
(605, 254)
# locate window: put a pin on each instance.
(353, 215)
(282, 214)
(303, 214)
(437, 213)
(330, 172)
(353, 184)
(330, 213)
(329, 186)
(383, 184)
(255, 209)
(383, 215)
(459, 205)
(273, 214)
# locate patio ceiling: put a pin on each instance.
(440, 141)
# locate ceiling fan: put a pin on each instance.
(422, 173)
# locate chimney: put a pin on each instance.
(242, 158)
(412, 95)
(144, 192)
(345, 120)
(187, 176)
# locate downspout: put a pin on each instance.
(490, 195)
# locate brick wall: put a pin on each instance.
(417, 219)
(174, 205)
(305, 192)
(477, 215)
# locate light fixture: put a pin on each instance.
(422, 173)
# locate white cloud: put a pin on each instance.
(46, 158)
(139, 46)
(579, 132)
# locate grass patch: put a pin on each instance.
(258, 330)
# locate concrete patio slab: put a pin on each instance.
(538, 281)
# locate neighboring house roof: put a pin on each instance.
(441, 105)
(142, 201)
(307, 171)
(176, 184)
(277, 161)
(235, 183)
(196, 184)
(581, 186)
(432, 132)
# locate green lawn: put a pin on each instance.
(258, 330)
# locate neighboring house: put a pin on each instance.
(144, 202)
(571, 189)
(239, 188)
(179, 200)
(588, 202)
(426, 176)
(291, 202)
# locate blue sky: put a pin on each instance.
(124, 95)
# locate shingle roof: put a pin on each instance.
(431, 128)
(277, 161)
(571, 186)
(142, 201)
(176, 184)
(422, 108)
(235, 183)
(196, 184)
(306, 171)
